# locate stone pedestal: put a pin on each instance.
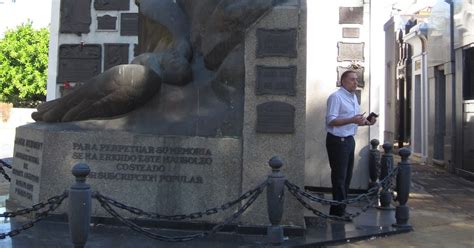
(162, 174)
(274, 120)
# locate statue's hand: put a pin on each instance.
(114, 92)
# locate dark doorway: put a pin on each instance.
(468, 110)
(440, 114)
(404, 100)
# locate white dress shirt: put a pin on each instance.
(340, 105)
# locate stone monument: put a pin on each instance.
(217, 89)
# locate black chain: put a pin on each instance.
(194, 215)
(254, 195)
(370, 197)
(5, 164)
(5, 175)
(53, 203)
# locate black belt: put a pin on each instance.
(338, 137)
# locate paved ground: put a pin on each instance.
(441, 209)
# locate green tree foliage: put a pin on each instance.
(23, 65)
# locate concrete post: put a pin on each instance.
(275, 199)
(386, 166)
(79, 206)
(374, 162)
(402, 212)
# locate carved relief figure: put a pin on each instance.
(193, 45)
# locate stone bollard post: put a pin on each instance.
(386, 166)
(374, 162)
(79, 206)
(275, 197)
(402, 212)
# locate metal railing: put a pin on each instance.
(80, 201)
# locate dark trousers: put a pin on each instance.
(341, 159)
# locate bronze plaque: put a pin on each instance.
(360, 75)
(112, 4)
(350, 32)
(275, 117)
(276, 42)
(276, 80)
(115, 54)
(129, 24)
(351, 15)
(75, 16)
(78, 63)
(106, 22)
(350, 51)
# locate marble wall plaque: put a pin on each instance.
(129, 24)
(350, 51)
(350, 32)
(351, 15)
(115, 54)
(106, 22)
(75, 16)
(78, 63)
(276, 80)
(360, 75)
(276, 42)
(275, 117)
(112, 4)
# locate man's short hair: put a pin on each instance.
(345, 74)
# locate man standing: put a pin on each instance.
(342, 119)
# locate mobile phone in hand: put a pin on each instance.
(372, 114)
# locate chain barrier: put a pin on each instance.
(5, 175)
(52, 203)
(252, 195)
(371, 197)
(5, 164)
(195, 215)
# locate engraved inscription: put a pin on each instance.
(112, 4)
(129, 24)
(25, 185)
(106, 22)
(275, 117)
(351, 15)
(144, 163)
(360, 75)
(276, 42)
(27, 157)
(26, 175)
(24, 193)
(276, 80)
(24, 180)
(28, 143)
(350, 51)
(115, 54)
(350, 32)
(78, 63)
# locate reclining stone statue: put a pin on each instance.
(190, 52)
